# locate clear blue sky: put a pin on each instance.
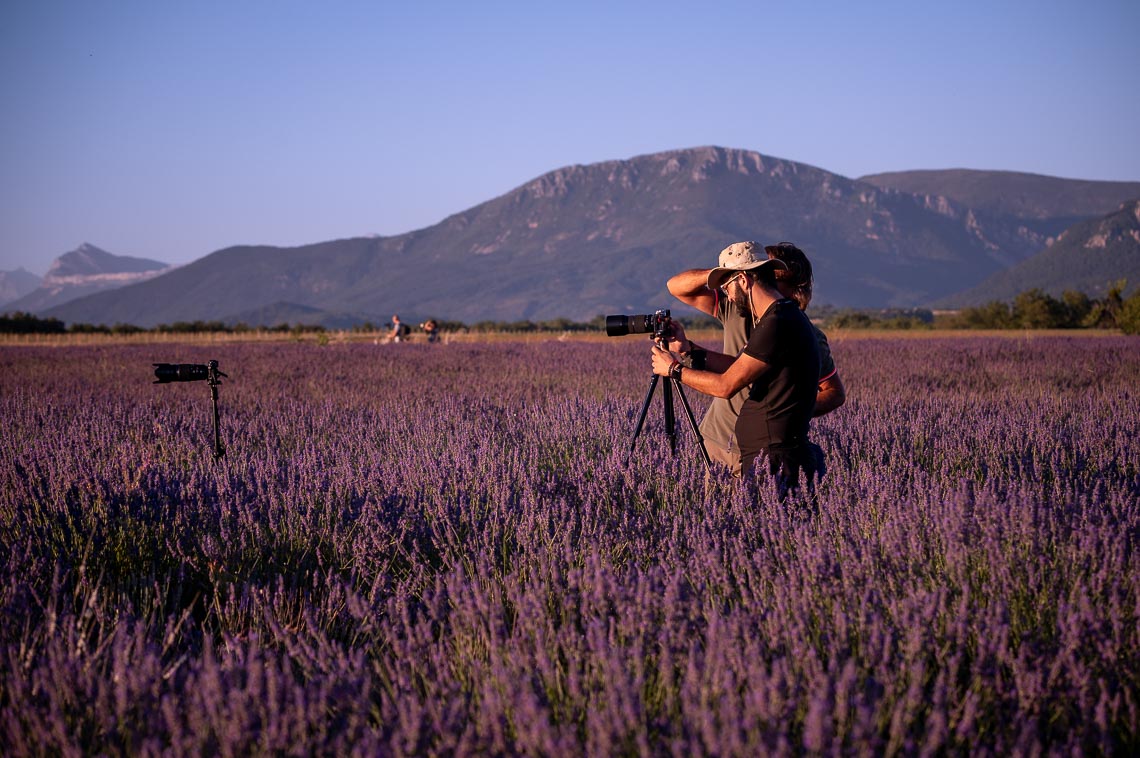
(171, 129)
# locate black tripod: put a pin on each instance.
(214, 381)
(196, 372)
(670, 420)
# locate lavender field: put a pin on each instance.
(428, 549)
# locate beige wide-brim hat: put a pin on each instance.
(737, 257)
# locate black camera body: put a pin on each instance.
(659, 324)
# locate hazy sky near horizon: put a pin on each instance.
(170, 130)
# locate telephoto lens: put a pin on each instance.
(619, 326)
(180, 372)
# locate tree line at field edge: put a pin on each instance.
(1032, 309)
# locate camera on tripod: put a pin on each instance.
(185, 372)
(659, 324)
(166, 373)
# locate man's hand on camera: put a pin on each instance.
(663, 361)
(678, 342)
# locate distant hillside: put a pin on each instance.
(1088, 258)
(86, 271)
(587, 240)
(1025, 196)
(275, 314)
(16, 284)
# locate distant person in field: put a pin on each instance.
(778, 367)
(399, 330)
(795, 281)
(431, 329)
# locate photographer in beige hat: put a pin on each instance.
(795, 281)
(779, 365)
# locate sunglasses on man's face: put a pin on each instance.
(724, 287)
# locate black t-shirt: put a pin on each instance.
(782, 399)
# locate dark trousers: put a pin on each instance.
(796, 464)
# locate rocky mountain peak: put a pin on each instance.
(84, 259)
(86, 270)
(1122, 226)
(89, 260)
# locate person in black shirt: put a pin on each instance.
(796, 281)
(780, 362)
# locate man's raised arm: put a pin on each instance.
(689, 287)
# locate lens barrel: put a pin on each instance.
(180, 372)
(619, 326)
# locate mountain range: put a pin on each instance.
(85, 271)
(15, 284)
(603, 238)
(1050, 203)
(1089, 257)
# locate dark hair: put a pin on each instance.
(798, 276)
(765, 275)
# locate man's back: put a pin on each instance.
(781, 400)
(718, 427)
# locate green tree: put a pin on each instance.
(992, 315)
(1129, 318)
(20, 322)
(1077, 307)
(557, 325)
(851, 320)
(1034, 309)
(89, 329)
(1105, 314)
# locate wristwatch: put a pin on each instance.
(675, 371)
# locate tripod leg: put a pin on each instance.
(219, 451)
(670, 418)
(693, 425)
(641, 418)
